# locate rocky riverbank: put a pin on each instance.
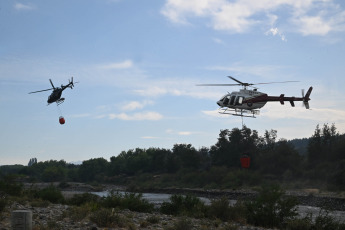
(57, 216)
(307, 197)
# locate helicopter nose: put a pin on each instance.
(220, 103)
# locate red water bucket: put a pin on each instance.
(245, 162)
(62, 120)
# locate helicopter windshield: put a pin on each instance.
(226, 100)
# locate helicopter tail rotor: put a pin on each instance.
(71, 83)
(306, 98)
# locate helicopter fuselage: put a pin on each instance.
(242, 100)
(55, 95)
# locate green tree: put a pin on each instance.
(280, 158)
(90, 169)
(232, 144)
(159, 158)
(188, 155)
(53, 173)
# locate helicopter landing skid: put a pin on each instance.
(60, 101)
(239, 112)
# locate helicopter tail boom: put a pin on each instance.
(265, 98)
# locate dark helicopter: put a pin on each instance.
(55, 96)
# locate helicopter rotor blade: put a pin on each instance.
(274, 82)
(41, 90)
(244, 83)
(218, 84)
(232, 78)
(52, 83)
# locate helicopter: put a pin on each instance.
(55, 96)
(247, 103)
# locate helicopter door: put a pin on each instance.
(232, 100)
(239, 100)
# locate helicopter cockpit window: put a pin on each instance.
(232, 100)
(239, 100)
(226, 100)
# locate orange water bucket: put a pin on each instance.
(245, 162)
(62, 120)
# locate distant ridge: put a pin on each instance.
(76, 162)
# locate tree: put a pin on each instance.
(279, 159)
(232, 144)
(158, 159)
(94, 168)
(32, 161)
(322, 144)
(53, 173)
(188, 156)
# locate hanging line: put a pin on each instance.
(59, 110)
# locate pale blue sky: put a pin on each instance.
(138, 63)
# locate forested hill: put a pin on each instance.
(315, 161)
(301, 145)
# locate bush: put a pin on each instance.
(80, 199)
(305, 223)
(326, 222)
(153, 219)
(270, 208)
(107, 218)
(3, 203)
(10, 187)
(184, 205)
(322, 222)
(51, 194)
(221, 209)
(182, 224)
(77, 214)
(131, 201)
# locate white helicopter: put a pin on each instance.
(250, 101)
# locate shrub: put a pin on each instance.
(3, 203)
(153, 219)
(9, 186)
(131, 201)
(322, 222)
(271, 208)
(107, 218)
(51, 194)
(182, 224)
(300, 224)
(219, 209)
(326, 222)
(78, 213)
(184, 205)
(80, 199)
(39, 203)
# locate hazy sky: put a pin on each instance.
(137, 63)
